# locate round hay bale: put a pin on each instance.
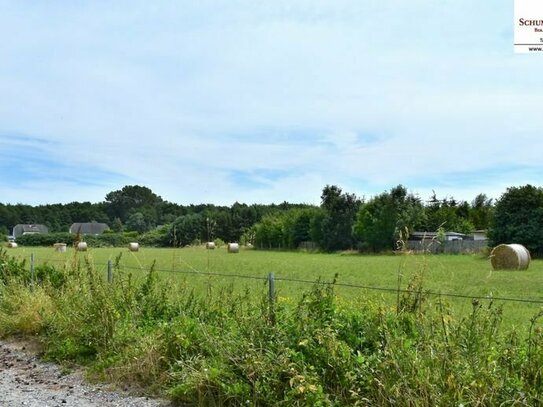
(510, 257)
(210, 245)
(133, 246)
(12, 245)
(60, 247)
(233, 248)
(82, 247)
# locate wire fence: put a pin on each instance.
(271, 278)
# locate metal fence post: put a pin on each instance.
(271, 296)
(32, 272)
(109, 271)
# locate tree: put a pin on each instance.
(136, 223)
(380, 221)
(117, 225)
(339, 214)
(449, 214)
(299, 228)
(269, 232)
(129, 199)
(186, 229)
(518, 218)
(481, 212)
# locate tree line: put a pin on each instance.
(345, 221)
(138, 209)
(341, 221)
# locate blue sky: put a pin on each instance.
(261, 101)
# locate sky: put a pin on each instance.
(265, 101)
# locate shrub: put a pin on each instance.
(11, 268)
(107, 240)
(46, 239)
(156, 237)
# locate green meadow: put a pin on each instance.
(198, 268)
(200, 330)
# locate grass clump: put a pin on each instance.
(229, 347)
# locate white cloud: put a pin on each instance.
(176, 97)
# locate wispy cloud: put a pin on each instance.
(30, 164)
(258, 178)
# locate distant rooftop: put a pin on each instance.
(88, 228)
(22, 229)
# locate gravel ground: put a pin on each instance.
(27, 381)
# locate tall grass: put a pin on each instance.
(227, 347)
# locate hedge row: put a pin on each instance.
(49, 239)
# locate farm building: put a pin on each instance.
(27, 229)
(88, 228)
(448, 242)
(448, 236)
(480, 235)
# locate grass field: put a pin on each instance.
(332, 347)
(469, 275)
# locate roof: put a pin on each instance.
(429, 235)
(88, 228)
(23, 228)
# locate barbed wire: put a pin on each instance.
(194, 271)
(356, 286)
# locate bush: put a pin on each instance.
(219, 243)
(11, 268)
(46, 239)
(156, 238)
(107, 240)
(49, 239)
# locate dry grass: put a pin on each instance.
(23, 311)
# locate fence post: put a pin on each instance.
(271, 296)
(32, 272)
(109, 271)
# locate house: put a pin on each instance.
(88, 228)
(28, 229)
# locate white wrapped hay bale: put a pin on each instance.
(60, 247)
(210, 245)
(133, 246)
(12, 245)
(510, 257)
(233, 248)
(82, 247)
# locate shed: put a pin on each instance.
(480, 235)
(418, 236)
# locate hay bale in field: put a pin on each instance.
(12, 245)
(233, 247)
(210, 245)
(82, 247)
(60, 247)
(133, 246)
(510, 257)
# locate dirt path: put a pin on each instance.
(26, 381)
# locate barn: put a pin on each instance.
(27, 229)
